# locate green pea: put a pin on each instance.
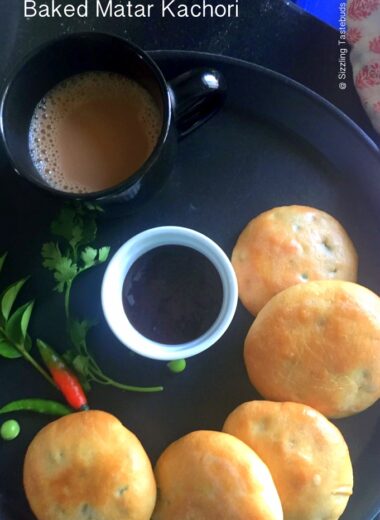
(177, 365)
(9, 430)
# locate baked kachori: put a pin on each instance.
(88, 466)
(288, 245)
(318, 344)
(209, 475)
(305, 453)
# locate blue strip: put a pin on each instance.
(326, 10)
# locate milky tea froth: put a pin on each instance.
(93, 131)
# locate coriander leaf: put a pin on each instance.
(77, 236)
(89, 205)
(51, 255)
(7, 350)
(91, 256)
(80, 208)
(78, 332)
(9, 296)
(64, 223)
(76, 223)
(80, 364)
(93, 207)
(65, 271)
(88, 257)
(89, 229)
(69, 355)
(103, 254)
(2, 260)
(16, 326)
(84, 381)
(60, 287)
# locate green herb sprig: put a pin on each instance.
(77, 227)
(15, 341)
(67, 258)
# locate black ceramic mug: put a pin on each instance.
(184, 103)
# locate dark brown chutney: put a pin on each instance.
(172, 294)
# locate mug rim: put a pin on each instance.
(149, 162)
(120, 265)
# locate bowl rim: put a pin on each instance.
(119, 266)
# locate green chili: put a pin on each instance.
(43, 406)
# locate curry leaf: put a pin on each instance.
(28, 343)
(7, 350)
(2, 260)
(9, 296)
(16, 326)
(25, 319)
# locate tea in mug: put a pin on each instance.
(93, 131)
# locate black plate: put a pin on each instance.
(274, 143)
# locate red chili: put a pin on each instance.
(67, 382)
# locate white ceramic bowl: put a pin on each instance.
(118, 268)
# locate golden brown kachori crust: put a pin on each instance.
(318, 344)
(288, 245)
(209, 475)
(85, 466)
(305, 453)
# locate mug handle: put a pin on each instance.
(196, 96)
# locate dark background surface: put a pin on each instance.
(268, 32)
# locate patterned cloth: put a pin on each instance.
(363, 21)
